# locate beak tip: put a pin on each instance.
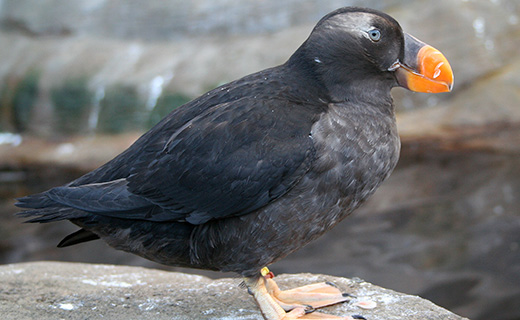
(449, 83)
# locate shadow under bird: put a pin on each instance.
(253, 170)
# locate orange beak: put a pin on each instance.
(423, 69)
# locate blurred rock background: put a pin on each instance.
(80, 80)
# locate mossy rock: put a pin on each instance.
(121, 109)
(4, 108)
(23, 99)
(72, 105)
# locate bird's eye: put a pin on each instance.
(374, 34)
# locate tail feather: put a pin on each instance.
(35, 201)
(43, 209)
(108, 199)
(49, 214)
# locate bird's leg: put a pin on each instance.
(298, 303)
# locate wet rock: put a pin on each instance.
(51, 290)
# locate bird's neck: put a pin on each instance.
(363, 92)
(353, 85)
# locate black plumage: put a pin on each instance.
(252, 170)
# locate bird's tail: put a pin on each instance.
(41, 208)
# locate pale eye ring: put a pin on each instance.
(374, 35)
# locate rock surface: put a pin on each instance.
(53, 290)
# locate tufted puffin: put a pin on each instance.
(251, 171)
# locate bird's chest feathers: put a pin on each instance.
(358, 147)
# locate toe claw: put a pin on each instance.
(309, 309)
(332, 284)
(357, 316)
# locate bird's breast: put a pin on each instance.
(357, 147)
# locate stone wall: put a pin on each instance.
(70, 68)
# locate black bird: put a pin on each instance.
(253, 170)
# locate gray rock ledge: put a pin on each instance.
(56, 290)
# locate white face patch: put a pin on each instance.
(355, 22)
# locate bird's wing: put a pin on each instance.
(230, 160)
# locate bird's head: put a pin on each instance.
(365, 52)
